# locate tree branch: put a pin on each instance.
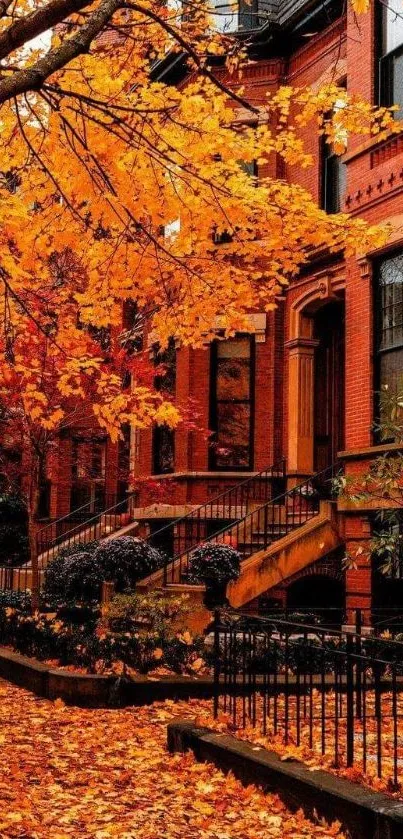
(37, 22)
(32, 78)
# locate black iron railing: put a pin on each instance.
(91, 527)
(267, 523)
(340, 694)
(54, 532)
(222, 511)
(86, 524)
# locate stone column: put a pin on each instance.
(301, 383)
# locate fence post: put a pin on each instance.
(358, 649)
(350, 699)
(216, 630)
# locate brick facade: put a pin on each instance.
(287, 352)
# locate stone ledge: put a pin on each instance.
(363, 813)
(93, 691)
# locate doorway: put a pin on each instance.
(329, 382)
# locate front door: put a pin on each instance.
(329, 385)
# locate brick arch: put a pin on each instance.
(328, 566)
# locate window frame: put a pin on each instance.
(214, 402)
(378, 353)
(384, 79)
(326, 156)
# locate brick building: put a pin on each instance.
(303, 386)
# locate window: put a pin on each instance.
(391, 62)
(232, 385)
(163, 436)
(389, 338)
(88, 460)
(333, 180)
(244, 15)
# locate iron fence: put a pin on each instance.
(337, 693)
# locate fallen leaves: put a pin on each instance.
(68, 772)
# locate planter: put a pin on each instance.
(215, 595)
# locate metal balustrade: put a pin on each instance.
(85, 525)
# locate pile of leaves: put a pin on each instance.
(97, 774)
(132, 634)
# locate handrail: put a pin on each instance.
(63, 518)
(91, 524)
(99, 515)
(271, 528)
(275, 471)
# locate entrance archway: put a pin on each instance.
(328, 417)
(316, 377)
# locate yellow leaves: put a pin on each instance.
(360, 6)
(71, 772)
(84, 228)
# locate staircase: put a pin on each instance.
(275, 539)
(221, 511)
(85, 524)
(82, 526)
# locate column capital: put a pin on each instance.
(302, 343)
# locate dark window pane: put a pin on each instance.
(334, 181)
(233, 433)
(164, 450)
(389, 344)
(233, 369)
(231, 406)
(391, 303)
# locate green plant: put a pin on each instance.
(14, 548)
(148, 630)
(125, 560)
(74, 577)
(153, 610)
(214, 563)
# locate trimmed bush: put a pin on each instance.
(126, 560)
(78, 571)
(213, 562)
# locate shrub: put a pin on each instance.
(78, 547)
(74, 577)
(153, 611)
(14, 546)
(125, 560)
(215, 563)
(135, 631)
(62, 575)
(147, 631)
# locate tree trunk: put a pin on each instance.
(32, 508)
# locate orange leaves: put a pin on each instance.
(96, 774)
(98, 170)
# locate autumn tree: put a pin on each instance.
(117, 187)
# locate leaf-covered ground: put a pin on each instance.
(67, 772)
